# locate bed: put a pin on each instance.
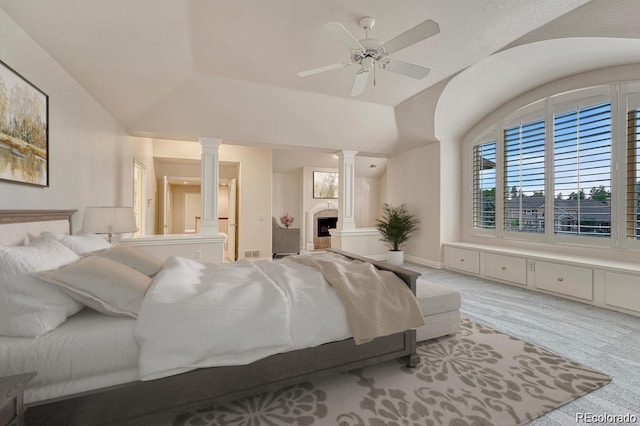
(96, 386)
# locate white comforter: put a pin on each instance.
(196, 315)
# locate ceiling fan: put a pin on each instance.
(370, 51)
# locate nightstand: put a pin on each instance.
(11, 398)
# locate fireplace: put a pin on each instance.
(321, 221)
(324, 224)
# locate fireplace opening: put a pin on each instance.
(326, 223)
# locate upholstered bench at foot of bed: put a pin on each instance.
(441, 310)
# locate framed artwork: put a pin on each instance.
(24, 130)
(325, 185)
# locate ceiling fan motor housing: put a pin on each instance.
(371, 50)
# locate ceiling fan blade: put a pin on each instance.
(360, 83)
(418, 33)
(323, 69)
(405, 68)
(340, 33)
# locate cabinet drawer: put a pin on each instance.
(564, 279)
(622, 290)
(506, 268)
(463, 260)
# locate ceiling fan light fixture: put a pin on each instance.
(367, 63)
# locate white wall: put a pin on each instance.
(90, 155)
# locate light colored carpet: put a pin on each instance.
(479, 376)
(602, 339)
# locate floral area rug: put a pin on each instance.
(477, 377)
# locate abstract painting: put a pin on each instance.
(24, 130)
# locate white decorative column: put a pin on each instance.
(210, 181)
(346, 193)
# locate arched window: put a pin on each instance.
(550, 174)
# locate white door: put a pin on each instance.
(139, 197)
(230, 254)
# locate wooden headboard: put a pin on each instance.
(18, 226)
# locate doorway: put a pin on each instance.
(139, 197)
(181, 209)
(228, 216)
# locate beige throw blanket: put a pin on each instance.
(377, 303)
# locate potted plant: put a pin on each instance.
(396, 227)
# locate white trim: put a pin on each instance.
(425, 262)
(174, 240)
(209, 184)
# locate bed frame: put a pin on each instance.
(155, 401)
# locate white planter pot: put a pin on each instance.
(395, 257)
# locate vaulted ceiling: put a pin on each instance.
(181, 69)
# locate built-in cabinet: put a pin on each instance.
(608, 284)
(506, 268)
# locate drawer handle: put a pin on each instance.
(560, 279)
(504, 268)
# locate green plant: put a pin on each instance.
(396, 225)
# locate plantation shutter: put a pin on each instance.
(582, 168)
(633, 166)
(484, 185)
(524, 176)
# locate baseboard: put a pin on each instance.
(424, 262)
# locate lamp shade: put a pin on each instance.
(109, 220)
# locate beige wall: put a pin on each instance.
(413, 178)
(254, 204)
(143, 153)
(178, 208)
(254, 188)
(368, 201)
(287, 196)
(90, 155)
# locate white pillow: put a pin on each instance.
(79, 243)
(134, 258)
(102, 284)
(29, 306)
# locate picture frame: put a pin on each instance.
(325, 185)
(24, 130)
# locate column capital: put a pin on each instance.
(346, 154)
(210, 143)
